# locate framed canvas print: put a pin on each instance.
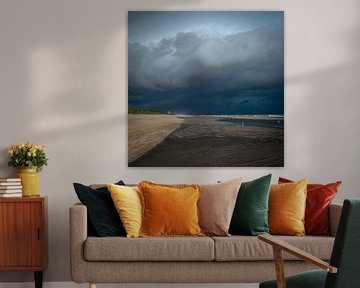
(205, 89)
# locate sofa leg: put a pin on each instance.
(92, 285)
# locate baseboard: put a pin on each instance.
(74, 285)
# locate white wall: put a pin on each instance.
(63, 83)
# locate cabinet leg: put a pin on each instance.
(38, 279)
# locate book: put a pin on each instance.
(10, 183)
(10, 195)
(10, 191)
(10, 187)
(10, 180)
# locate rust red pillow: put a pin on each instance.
(319, 197)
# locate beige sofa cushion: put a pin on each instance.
(149, 249)
(243, 248)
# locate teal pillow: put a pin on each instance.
(250, 216)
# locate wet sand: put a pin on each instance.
(146, 131)
(205, 141)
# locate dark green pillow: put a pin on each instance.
(102, 215)
(250, 216)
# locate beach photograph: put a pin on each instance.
(205, 89)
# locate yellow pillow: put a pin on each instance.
(287, 204)
(169, 210)
(127, 201)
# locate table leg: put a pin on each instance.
(38, 279)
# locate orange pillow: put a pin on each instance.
(169, 210)
(287, 204)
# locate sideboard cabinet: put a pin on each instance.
(23, 235)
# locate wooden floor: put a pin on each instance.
(74, 285)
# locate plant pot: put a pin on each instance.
(30, 181)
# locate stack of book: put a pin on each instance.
(10, 187)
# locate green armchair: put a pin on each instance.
(344, 268)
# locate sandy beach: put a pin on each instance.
(206, 141)
(146, 131)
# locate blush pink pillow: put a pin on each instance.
(216, 205)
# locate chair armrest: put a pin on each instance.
(284, 246)
(334, 217)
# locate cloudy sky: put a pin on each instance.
(206, 62)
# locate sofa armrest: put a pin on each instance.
(78, 235)
(334, 216)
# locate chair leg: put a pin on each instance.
(279, 267)
(92, 285)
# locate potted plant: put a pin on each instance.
(30, 158)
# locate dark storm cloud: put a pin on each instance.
(191, 61)
(251, 101)
(206, 62)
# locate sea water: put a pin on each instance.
(258, 121)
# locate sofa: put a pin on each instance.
(234, 259)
